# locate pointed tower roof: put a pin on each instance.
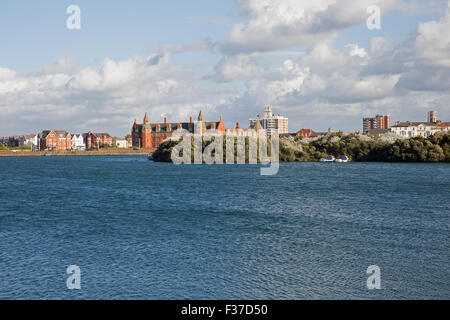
(146, 119)
(200, 116)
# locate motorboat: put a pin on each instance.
(328, 159)
(342, 159)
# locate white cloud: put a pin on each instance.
(115, 90)
(350, 81)
(6, 74)
(241, 66)
(433, 42)
(276, 24)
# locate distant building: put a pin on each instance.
(270, 122)
(120, 143)
(54, 140)
(150, 135)
(30, 140)
(95, 139)
(410, 129)
(377, 122)
(11, 141)
(442, 127)
(78, 142)
(432, 116)
(413, 129)
(308, 133)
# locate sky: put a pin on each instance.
(315, 62)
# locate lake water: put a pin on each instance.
(144, 230)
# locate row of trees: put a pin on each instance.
(418, 149)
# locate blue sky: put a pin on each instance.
(34, 35)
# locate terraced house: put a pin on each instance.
(96, 140)
(78, 142)
(54, 140)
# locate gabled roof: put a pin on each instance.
(59, 133)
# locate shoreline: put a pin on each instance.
(75, 153)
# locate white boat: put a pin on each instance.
(343, 159)
(328, 159)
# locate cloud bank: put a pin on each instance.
(319, 86)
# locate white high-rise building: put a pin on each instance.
(271, 123)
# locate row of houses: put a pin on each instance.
(61, 140)
(14, 141)
(406, 129)
(424, 129)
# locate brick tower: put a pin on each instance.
(146, 133)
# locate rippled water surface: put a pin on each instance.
(143, 230)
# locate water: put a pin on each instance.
(143, 230)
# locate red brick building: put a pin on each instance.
(54, 140)
(150, 135)
(308, 133)
(95, 140)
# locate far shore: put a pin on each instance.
(106, 152)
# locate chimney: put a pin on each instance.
(165, 120)
(237, 125)
(190, 119)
